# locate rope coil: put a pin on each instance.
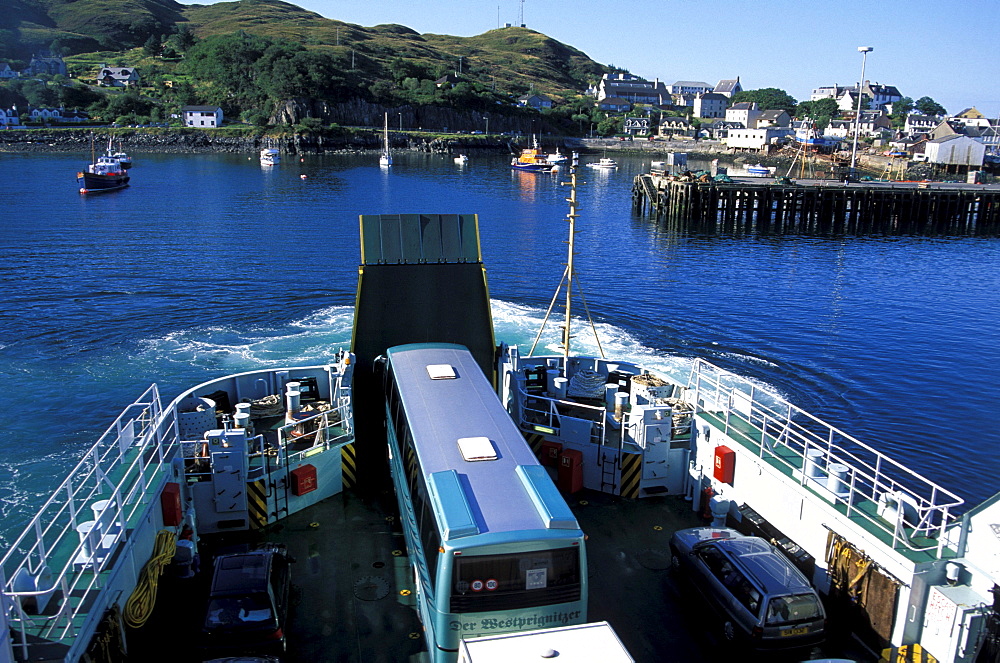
(143, 599)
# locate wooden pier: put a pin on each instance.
(820, 208)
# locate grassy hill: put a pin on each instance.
(509, 60)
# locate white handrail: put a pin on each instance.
(871, 475)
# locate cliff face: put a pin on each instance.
(357, 112)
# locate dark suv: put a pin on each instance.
(248, 602)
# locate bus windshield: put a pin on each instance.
(499, 582)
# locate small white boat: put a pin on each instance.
(758, 170)
(556, 157)
(462, 158)
(605, 162)
(269, 156)
(386, 159)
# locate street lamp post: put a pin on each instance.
(864, 50)
(400, 121)
(487, 118)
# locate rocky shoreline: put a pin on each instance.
(187, 141)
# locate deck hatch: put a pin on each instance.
(477, 448)
(551, 506)
(446, 489)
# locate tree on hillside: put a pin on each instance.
(820, 111)
(928, 106)
(768, 98)
(900, 109)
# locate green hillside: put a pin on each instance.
(252, 56)
(510, 60)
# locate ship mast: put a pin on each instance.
(569, 275)
(571, 217)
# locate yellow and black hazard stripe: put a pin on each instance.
(348, 465)
(907, 654)
(535, 442)
(257, 504)
(631, 473)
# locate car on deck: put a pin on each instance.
(764, 600)
(248, 603)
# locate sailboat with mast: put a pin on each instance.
(386, 159)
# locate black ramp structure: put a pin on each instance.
(421, 280)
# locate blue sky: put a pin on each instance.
(944, 49)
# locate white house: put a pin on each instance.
(971, 117)
(745, 113)
(955, 151)
(710, 105)
(202, 116)
(631, 88)
(118, 77)
(756, 139)
(880, 95)
(690, 87)
(9, 117)
(43, 114)
(729, 87)
(920, 124)
(6, 71)
(773, 118)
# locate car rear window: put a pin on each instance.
(251, 610)
(793, 608)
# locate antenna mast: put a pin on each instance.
(569, 275)
(520, 15)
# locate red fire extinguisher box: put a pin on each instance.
(570, 475)
(550, 453)
(725, 464)
(303, 479)
(170, 504)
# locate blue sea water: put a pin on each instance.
(211, 264)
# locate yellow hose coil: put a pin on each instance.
(140, 605)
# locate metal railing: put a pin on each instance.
(69, 543)
(323, 431)
(843, 469)
(543, 411)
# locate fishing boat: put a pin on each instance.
(117, 558)
(385, 160)
(123, 157)
(269, 156)
(604, 162)
(105, 173)
(532, 160)
(758, 170)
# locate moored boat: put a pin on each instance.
(385, 159)
(269, 156)
(758, 170)
(462, 158)
(556, 157)
(532, 159)
(106, 173)
(603, 162)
